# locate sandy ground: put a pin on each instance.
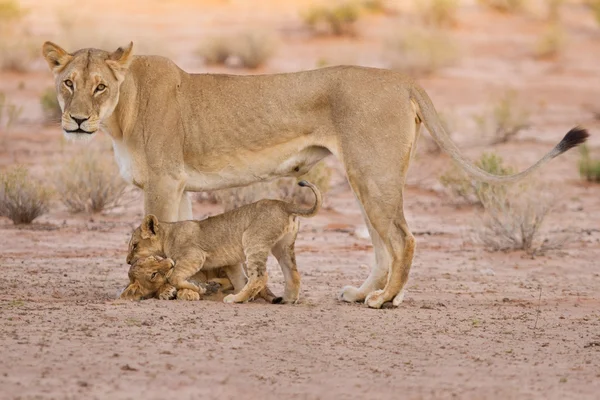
(474, 324)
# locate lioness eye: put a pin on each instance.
(69, 83)
(100, 87)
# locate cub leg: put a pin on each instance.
(284, 253)
(186, 267)
(257, 276)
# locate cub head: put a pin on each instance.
(147, 277)
(146, 240)
(87, 85)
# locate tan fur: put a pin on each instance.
(247, 234)
(175, 132)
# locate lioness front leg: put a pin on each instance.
(164, 197)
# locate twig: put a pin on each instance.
(538, 309)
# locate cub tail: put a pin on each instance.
(311, 212)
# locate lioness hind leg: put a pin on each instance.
(284, 253)
(378, 184)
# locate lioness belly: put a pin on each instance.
(245, 168)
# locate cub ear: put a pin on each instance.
(56, 57)
(119, 61)
(149, 226)
(132, 292)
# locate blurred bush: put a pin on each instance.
(589, 168)
(22, 198)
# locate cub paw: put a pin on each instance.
(229, 299)
(399, 298)
(168, 293)
(187, 294)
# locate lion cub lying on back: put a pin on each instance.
(246, 234)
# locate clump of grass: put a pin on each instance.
(17, 50)
(421, 52)
(9, 112)
(550, 43)
(439, 13)
(250, 49)
(284, 188)
(553, 7)
(338, 20)
(594, 5)
(505, 6)
(513, 219)
(589, 168)
(468, 190)
(50, 106)
(90, 183)
(505, 118)
(22, 199)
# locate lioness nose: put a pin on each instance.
(79, 120)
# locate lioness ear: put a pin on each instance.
(56, 57)
(149, 226)
(119, 61)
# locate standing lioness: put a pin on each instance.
(175, 132)
(246, 234)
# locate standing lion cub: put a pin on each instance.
(246, 234)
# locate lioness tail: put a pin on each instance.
(311, 212)
(427, 114)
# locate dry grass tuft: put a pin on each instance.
(505, 6)
(438, 13)
(90, 183)
(250, 49)
(589, 168)
(339, 19)
(17, 49)
(50, 106)
(550, 43)
(513, 219)
(504, 118)
(421, 52)
(9, 113)
(22, 199)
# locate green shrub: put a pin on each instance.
(337, 20)
(505, 118)
(471, 191)
(22, 199)
(589, 168)
(50, 106)
(421, 52)
(90, 183)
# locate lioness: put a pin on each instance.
(246, 234)
(175, 132)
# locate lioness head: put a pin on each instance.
(146, 277)
(145, 241)
(87, 85)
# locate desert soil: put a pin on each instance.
(474, 324)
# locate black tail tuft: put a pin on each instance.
(574, 137)
(304, 183)
(277, 300)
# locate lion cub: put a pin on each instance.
(148, 278)
(246, 234)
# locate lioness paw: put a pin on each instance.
(350, 294)
(187, 294)
(375, 299)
